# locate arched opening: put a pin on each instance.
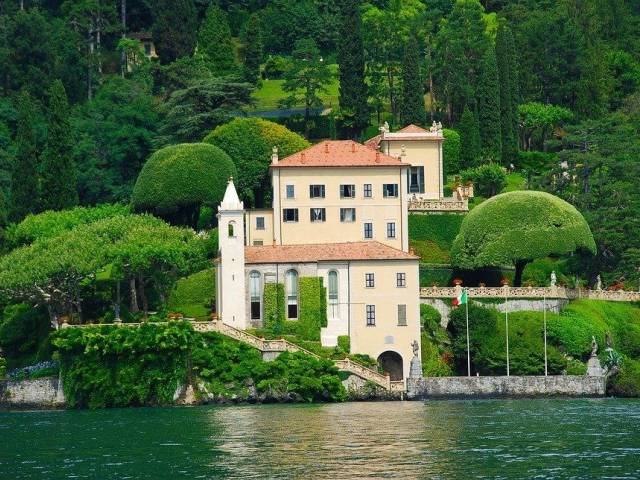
(291, 291)
(332, 293)
(391, 363)
(255, 288)
(230, 229)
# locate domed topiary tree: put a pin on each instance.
(249, 142)
(176, 181)
(517, 227)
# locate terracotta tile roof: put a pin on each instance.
(412, 129)
(324, 252)
(373, 142)
(338, 153)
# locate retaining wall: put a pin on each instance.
(40, 393)
(513, 386)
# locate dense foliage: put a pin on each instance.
(517, 227)
(193, 296)
(178, 180)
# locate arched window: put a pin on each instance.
(333, 294)
(291, 291)
(231, 228)
(255, 288)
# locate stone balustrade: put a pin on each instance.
(447, 204)
(531, 292)
(347, 365)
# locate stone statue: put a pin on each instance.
(608, 342)
(554, 279)
(594, 347)
(384, 128)
(415, 347)
(415, 367)
(598, 283)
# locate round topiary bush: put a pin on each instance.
(249, 143)
(518, 227)
(176, 181)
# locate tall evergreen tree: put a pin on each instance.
(174, 29)
(353, 89)
(58, 185)
(412, 99)
(24, 172)
(253, 48)
(214, 42)
(488, 94)
(469, 139)
(508, 79)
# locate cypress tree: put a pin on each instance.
(214, 42)
(24, 169)
(174, 29)
(508, 78)
(58, 186)
(353, 89)
(469, 139)
(412, 98)
(489, 108)
(253, 50)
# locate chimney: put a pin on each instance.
(274, 155)
(326, 147)
(353, 147)
(377, 157)
(302, 157)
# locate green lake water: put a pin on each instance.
(440, 439)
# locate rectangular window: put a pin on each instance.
(390, 190)
(347, 214)
(369, 280)
(347, 191)
(368, 190)
(317, 214)
(402, 315)
(316, 191)
(291, 191)
(416, 180)
(289, 214)
(391, 229)
(368, 230)
(259, 223)
(401, 279)
(371, 315)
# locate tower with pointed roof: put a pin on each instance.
(231, 272)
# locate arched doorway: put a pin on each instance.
(391, 363)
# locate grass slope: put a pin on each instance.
(268, 96)
(192, 296)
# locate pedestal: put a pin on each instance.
(594, 369)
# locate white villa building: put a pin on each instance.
(340, 212)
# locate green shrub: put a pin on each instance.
(439, 276)
(451, 151)
(274, 308)
(344, 343)
(538, 272)
(434, 360)
(533, 162)
(176, 181)
(429, 317)
(312, 314)
(431, 236)
(194, 295)
(488, 179)
(3, 368)
(249, 143)
(627, 382)
(276, 66)
(24, 333)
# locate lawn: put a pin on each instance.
(268, 96)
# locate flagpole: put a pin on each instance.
(544, 319)
(466, 305)
(506, 321)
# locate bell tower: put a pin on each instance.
(230, 302)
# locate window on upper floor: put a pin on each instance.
(368, 230)
(316, 191)
(289, 214)
(259, 223)
(390, 190)
(371, 315)
(347, 215)
(347, 191)
(369, 280)
(416, 180)
(401, 279)
(402, 315)
(291, 191)
(317, 214)
(368, 190)
(391, 229)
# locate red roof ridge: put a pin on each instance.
(338, 153)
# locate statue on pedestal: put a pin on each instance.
(598, 283)
(594, 368)
(554, 279)
(594, 347)
(415, 368)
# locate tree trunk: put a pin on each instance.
(143, 296)
(517, 281)
(123, 20)
(133, 304)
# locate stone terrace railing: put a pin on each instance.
(531, 292)
(281, 345)
(447, 204)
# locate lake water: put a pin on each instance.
(439, 439)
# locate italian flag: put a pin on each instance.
(460, 299)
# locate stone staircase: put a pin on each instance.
(278, 346)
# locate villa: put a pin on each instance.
(340, 214)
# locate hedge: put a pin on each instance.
(179, 179)
(431, 236)
(451, 151)
(274, 311)
(194, 295)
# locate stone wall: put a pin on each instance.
(41, 393)
(496, 387)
